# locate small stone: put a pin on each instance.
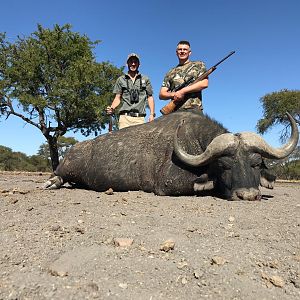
(184, 280)
(218, 260)
(108, 241)
(13, 201)
(123, 286)
(231, 219)
(123, 242)
(191, 229)
(277, 281)
(198, 274)
(182, 264)
(167, 245)
(274, 264)
(79, 229)
(59, 273)
(110, 191)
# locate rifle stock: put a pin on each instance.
(174, 105)
(170, 107)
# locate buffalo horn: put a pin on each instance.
(257, 144)
(219, 146)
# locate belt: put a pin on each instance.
(131, 114)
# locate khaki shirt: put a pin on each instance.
(124, 85)
(183, 73)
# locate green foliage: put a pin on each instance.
(287, 168)
(52, 81)
(275, 106)
(18, 161)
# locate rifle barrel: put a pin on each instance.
(232, 52)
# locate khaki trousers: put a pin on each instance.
(126, 121)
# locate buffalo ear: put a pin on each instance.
(203, 183)
(267, 179)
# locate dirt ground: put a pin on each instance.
(80, 244)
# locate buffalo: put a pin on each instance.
(183, 153)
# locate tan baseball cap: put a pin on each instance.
(133, 55)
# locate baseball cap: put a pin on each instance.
(133, 55)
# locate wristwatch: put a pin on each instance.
(154, 115)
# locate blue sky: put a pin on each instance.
(264, 33)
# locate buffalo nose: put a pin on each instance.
(250, 194)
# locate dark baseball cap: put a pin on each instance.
(133, 55)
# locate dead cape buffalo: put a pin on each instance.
(183, 153)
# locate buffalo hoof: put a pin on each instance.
(247, 194)
(53, 183)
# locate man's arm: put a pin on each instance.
(165, 94)
(194, 87)
(151, 107)
(116, 102)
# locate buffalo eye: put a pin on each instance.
(225, 163)
(255, 160)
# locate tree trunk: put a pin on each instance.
(52, 142)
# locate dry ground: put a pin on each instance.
(67, 244)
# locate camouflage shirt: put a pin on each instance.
(182, 73)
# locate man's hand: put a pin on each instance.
(109, 110)
(178, 96)
(151, 118)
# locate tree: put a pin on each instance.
(63, 145)
(287, 168)
(18, 161)
(275, 106)
(52, 81)
(6, 159)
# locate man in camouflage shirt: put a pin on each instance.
(182, 73)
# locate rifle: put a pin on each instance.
(174, 105)
(111, 120)
(110, 125)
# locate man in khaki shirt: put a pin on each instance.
(133, 91)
